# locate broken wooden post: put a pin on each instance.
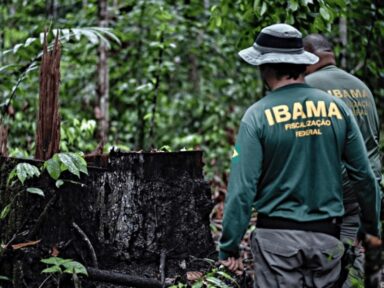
(48, 119)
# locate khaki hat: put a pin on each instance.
(278, 43)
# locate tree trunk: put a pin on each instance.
(3, 139)
(102, 108)
(343, 41)
(51, 8)
(145, 215)
(140, 139)
(48, 121)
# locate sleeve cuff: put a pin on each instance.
(225, 255)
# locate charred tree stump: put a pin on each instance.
(144, 215)
(48, 121)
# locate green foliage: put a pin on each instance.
(60, 265)
(4, 278)
(75, 130)
(215, 278)
(61, 162)
(23, 171)
(72, 162)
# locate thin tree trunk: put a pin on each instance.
(48, 121)
(102, 109)
(3, 139)
(193, 63)
(343, 41)
(140, 101)
(152, 130)
(3, 128)
(51, 8)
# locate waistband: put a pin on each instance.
(329, 226)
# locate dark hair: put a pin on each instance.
(279, 70)
(316, 42)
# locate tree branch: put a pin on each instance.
(123, 279)
(89, 244)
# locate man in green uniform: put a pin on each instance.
(287, 165)
(327, 77)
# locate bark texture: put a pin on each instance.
(48, 121)
(142, 214)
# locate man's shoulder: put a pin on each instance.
(327, 75)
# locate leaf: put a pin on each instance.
(92, 37)
(198, 284)
(217, 282)
(21, 173)
(68, 163)
(6, 67)
(53, 269)
(29, 41)
(41, 36)
(218, 21)
(53, 167)
(4, 213)
(54, 251)
(55, 261)
(293, 5)
(11, 176)
(35, 190)
(225, 275)
(59, 183)
(4, 278)
(26, 171)
(263, 9)
(256, 5)
(79, 162)
(26, 244)
(108, 32)
(66, 34)
(324, 13)
(17, 47)
(75, 267)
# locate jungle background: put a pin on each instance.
(163, 75)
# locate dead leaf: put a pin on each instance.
(54, 251)
(23, 245)
(194, 275)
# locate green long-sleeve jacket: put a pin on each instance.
(360, 100)
(287, 163)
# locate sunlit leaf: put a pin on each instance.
(35, 190)
(4, 213)
(325, 13)
(75, 267)
(67, 161)
(53, 167)
(53, 269)
(59, 183)
(55, 261)
(4, 278)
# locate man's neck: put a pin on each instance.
(326, 59)
(275, 84)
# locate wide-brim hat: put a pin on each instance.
(278, 43)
